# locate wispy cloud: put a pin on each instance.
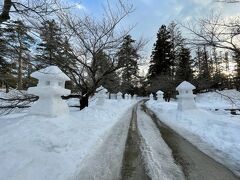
(151, 14)
(80, 7)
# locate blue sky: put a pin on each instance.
(149, 15)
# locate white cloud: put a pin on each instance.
(81, 7)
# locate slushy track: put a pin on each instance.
(133, 166)
(195, 164)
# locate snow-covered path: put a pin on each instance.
(84, 146)
(133, 165)
(195, 164)
(157, 155)
(146, 155)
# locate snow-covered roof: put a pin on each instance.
(102, 89)
(51, 72)
(160, 92)
(185, 86)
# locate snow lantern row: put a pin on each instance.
(159, 96)
(185, 97)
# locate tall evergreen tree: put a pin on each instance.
(128, 59)
(49, 50)
(203, 62)
(110, 81)
(177, 43)
(162, 57)
(226, 61)
(5, 73)
(184, 70)
(236, 57)
(160, 74)
(19, 41)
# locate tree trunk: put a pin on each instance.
(19, 83)
(84, 101)
(4, 16)
(7, 87)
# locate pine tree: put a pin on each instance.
(226, 61)
(128, 58)
(49, 50)
(204, 68)
(109, 81)
(236, 57)
(177, 43)
(19, 42)
(184, 70)
(160, 74)
(162, 57)
(5, 73)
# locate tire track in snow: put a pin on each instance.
(133, 165)
(157, 155)
(195, 164)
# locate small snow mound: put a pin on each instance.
(185, 86)
(50, 72)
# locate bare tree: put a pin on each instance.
(91, 36)
(216, 31)
(37, 8)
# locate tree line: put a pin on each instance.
(207, 65)
(93, 52)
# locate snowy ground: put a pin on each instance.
(227, 99)
(81, 145)
(157, 155)
(215, 133)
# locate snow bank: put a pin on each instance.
(67, 147)
(226, 99)
(216, 135)
(14, 95)
(156, 153)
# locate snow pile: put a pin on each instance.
(156, 153)
(13, 99)
(86, 144)
(226, 99)
(216, 135)
(12, 94)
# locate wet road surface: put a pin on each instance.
(133, 166)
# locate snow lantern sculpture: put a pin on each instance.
(186, 96)
(135, 97)
(151, 97)
(129, 96)
(160, 96)
(119, 96)
(101, 95)
(50, 88)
